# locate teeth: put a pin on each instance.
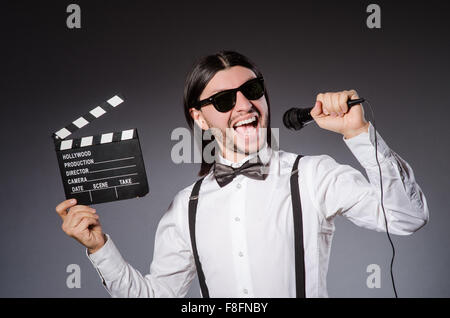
(247, 121)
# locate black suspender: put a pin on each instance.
(298, 234)
(193, 200)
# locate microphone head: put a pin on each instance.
(296, 118)
(290, 119)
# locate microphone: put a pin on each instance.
(297, 118)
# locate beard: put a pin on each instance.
(237, 142)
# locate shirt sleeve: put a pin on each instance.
(342, 190)
(172, 269)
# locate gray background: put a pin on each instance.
(51, 75)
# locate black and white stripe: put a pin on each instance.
(95, 140)
(82, 121)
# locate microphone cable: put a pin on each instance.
(381, 200)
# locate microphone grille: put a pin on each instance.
(291, 120)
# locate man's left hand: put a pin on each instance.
(331, 112)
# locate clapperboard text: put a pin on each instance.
(101, 168)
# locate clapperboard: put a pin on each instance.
(101, 168)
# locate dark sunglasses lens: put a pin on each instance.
(225, 101)
(253, 90)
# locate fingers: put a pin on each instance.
(321, 98)
(79, 222)
(77, 231)
(61, 208)
(76, 218)
(335, 103)
(328, 103)
(84, 224)
(353, 94)
(342, 99)
(80, 208)
(73, 216)
(317, 109)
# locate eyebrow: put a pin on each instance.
(221, 90)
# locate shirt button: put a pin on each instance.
(237, 219)
(241, 254)
(245, 291)
(238, 185)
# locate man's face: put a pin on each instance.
(233, 137)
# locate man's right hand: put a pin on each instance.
(82, 223)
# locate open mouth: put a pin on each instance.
(247, 126)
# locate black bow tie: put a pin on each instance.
(225, 174)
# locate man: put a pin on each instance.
(244, 238)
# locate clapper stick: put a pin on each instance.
(88, 118)
(101, 168)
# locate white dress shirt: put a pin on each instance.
(245, 229)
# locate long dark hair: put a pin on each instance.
(200, 75)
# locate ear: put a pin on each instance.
(198, 118)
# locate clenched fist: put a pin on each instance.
(331, 112)
(82, 223)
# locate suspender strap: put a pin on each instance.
(193, 200)
(298, 232)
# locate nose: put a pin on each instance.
(242, 103)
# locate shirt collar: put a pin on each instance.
(264, 154)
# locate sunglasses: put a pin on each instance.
(226, 100)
